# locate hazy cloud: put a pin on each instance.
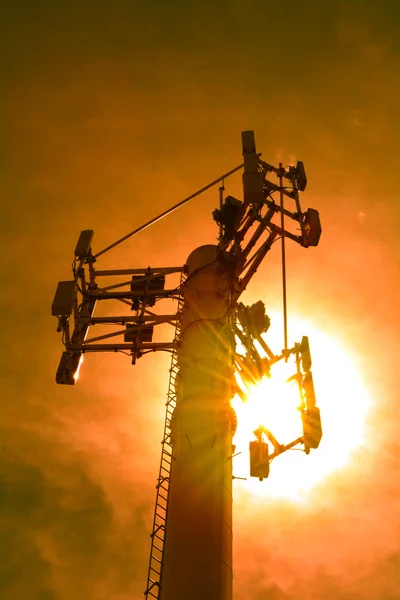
(112, 114)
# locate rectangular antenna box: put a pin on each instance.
(259, 459)
(312, 227)
(67, 369)
(154, 283)
(138, 333)
(84, 243)
(64, 299)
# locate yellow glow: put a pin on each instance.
(76, 376)
(341, 396)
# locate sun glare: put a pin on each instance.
(76, 375)
(341, 396)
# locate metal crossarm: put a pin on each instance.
(158, 534)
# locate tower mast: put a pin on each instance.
(198, 545)
(191, 548)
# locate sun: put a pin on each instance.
(342, 397)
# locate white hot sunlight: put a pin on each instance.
(341, 395)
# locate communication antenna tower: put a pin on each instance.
(191, 538)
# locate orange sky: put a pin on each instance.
(113, 113)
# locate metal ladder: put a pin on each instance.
(154, 576)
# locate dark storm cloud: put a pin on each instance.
(48, 523)
(60, 535)
(113, 112)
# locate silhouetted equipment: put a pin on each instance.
(310, 414)
(312, 228)
(253, 193)
(213, 332)
(84, 243)
(301, 178)
(228, 217)
(259, 459)
(253, 318)
(64, 299)
(308, 387)
(144, 285)
(305, 354)
(312, 428)
(138, 333)
(68, 369)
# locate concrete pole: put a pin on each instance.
(198, 543)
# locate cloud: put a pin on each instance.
(61, 537)
(112, 115)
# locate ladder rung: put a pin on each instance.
(160, 539)
(156, 530)
(162, 479)
(161, 517)
(155, 570)
(160, 484)
(150, 587)
(157, 559)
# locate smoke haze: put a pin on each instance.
(112, 112)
